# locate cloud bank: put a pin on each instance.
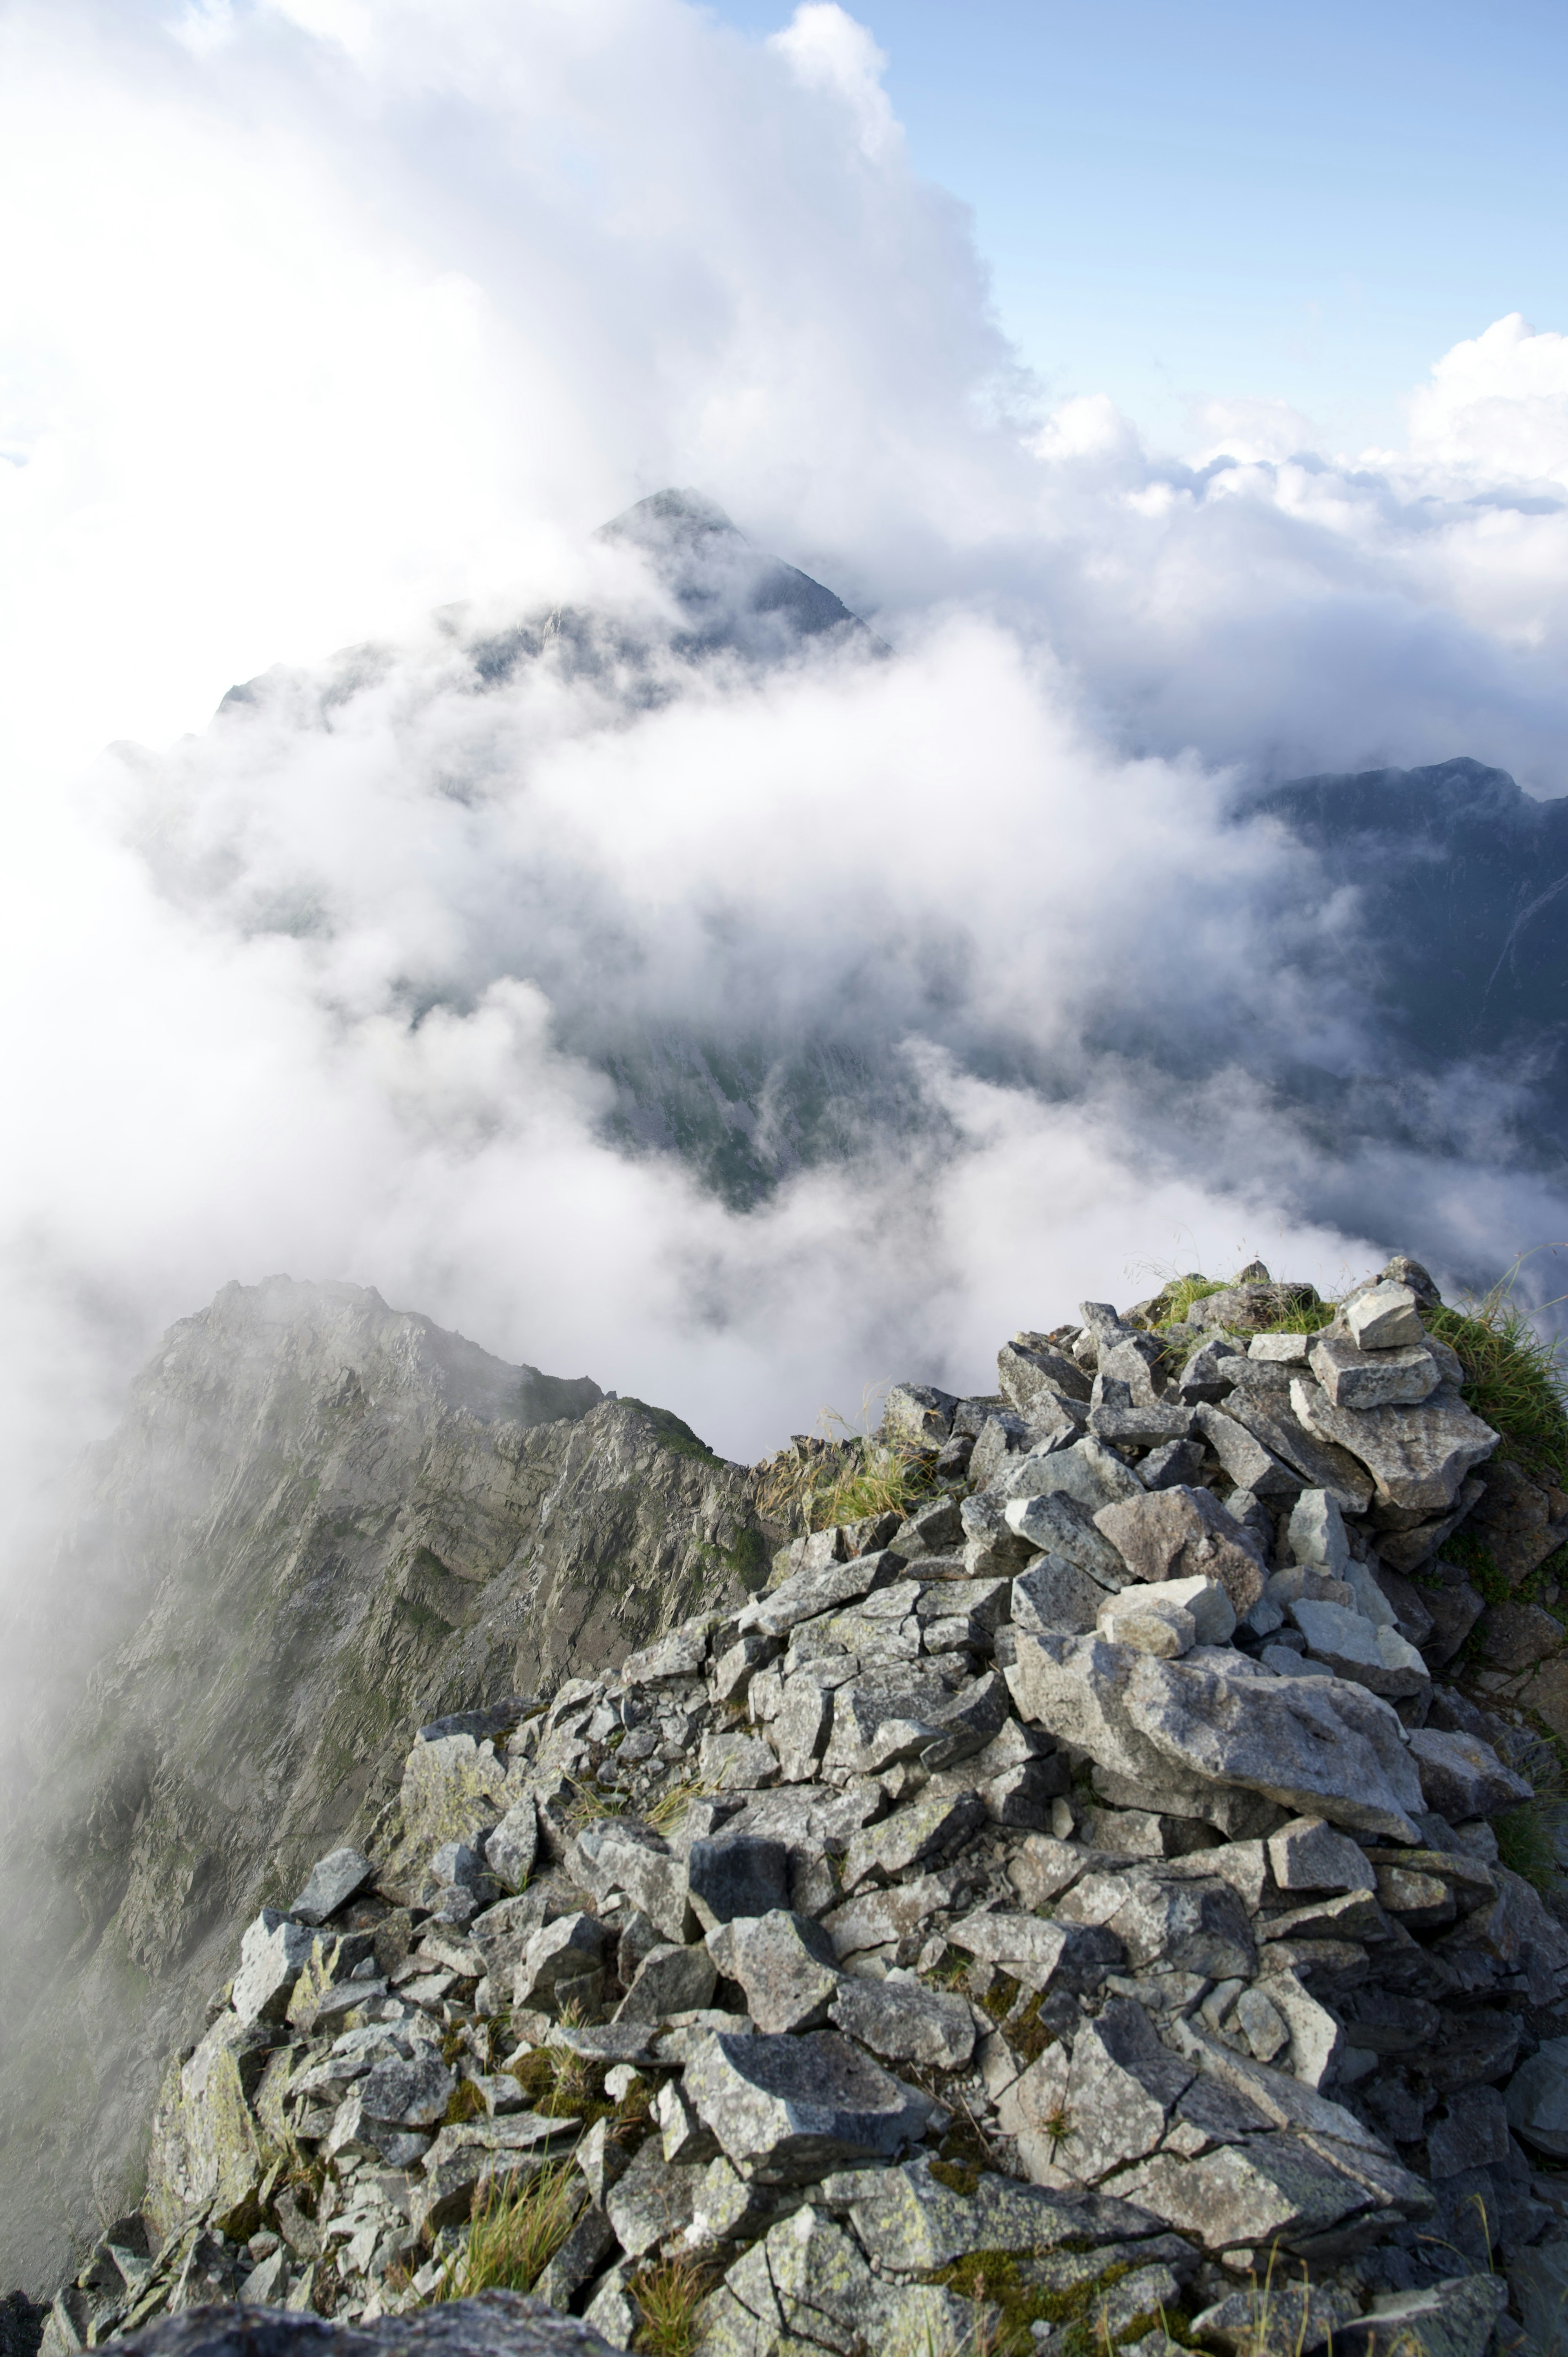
(335, 315)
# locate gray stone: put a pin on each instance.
(1088, 1471)
(652, 2204)
(669, 1979)
(908, 2220)
(333, 1882)
(734, 1671)
(1318, 1534)
(1417, 1457)
(1121, 2085)
(511, 1847)
(452, 1790)
(560, 1953)
(1461, 1777)
(655, 1882)
(914, 1412)
(1276, 2319)
(407, 2095)
(578, 2262)
(493, 2324)
(1183, 1535)
(784, 1963)
(1131, 1360)
(903, 2022)
(1471, 2132)
(1356, 1378)
(736, 1763)
(929, 1530)
(913, 1835)
(799, 1728)
(880, 1918)
(1320, 1747)
(1208, 1373)
(1384, 1317)
(1452, 2319)
(808, 1593)
(1309, 1855)
(1275, 1420)
(1195, 1926)
(1202, 1600)
(1273, 2187)
(1062, 1526)
(1039, 1954)
(459, 1866)
(1539, 2278)
(612, 2312)
(1538, 2100)
(1167, 1630)
(1174, 1466)
(1354, 1648)
(681, 1654)
(1142, 1425)
(1055, 1598)
(786, 2110)
(1517, 1636)
(745, 1874)
(272, 1952)
(1279, 1349)
(1028, 1376)
(1250, 1466)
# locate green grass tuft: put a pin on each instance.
(515, 2233)
(668, 2298)
(1513, 1380)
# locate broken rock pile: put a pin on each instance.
(1072, 1909)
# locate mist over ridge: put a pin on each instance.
(739, 1022)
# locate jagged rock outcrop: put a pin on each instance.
(937, 1949)
(320, 1519)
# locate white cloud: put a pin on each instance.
(320, 316)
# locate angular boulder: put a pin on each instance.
(1417, 1457)
(1181, 1533)
(1318, 1747)
(786, 2110)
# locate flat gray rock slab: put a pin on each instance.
(333, 1882)
(1454, 2318)
(903, 2022)
(1536, 2099)
(1417, 1457)
(1461, 1777)
(1273, 1419)
(494, 2324)
(908, 2220)
(808, 1593)
(1317, 1746)
(788, 2109)
(1356, 1378)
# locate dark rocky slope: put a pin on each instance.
(320, 1519)
(1072, 1913)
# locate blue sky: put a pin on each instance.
(1216, 199)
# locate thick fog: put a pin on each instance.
(344, 323)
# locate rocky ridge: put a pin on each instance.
(1069, 1916)
(321, 1522)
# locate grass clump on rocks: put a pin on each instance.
(668, 2298)
(1513, 1381)
(514, 2233)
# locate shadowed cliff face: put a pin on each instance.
(320, 1520)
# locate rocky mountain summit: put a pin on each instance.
(1068, 1911)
